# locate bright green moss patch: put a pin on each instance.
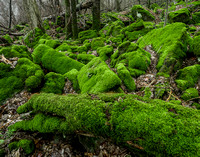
(188, 76)
(105, 52)
(138, 12)
(156, 126)
(64, 47)
(46, 24)
(54, 83)
(182, 15)
(89, 34)
(72, 76)
(8, 38)
(97, 42)
(196, 17)
(52, 43)
(28, 146)
(53, 60)
(190, 93)
(170, 43)
(125, 76)
(138, 25)
(196, 45)
(85, 58)
(96, 77)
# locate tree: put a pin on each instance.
(117, 4)
(32, 10)
(74, 19)
(10, 20)
(96, 23)
(68, 22)
(166, 13)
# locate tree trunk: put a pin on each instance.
(117, 4)
(68, 19)
(74, 19)
(166, 13)
(10, 20)
(32, 10)
(96, 23)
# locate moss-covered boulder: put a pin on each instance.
(138, 12)
(105, 52)
(96, 77)
(138, 25)
(51, 43)
(85, 58)
(64, 47)
(196, 46)
(125, 76)
(97, 42)
(54, 83)
(196, 17)
(114, 16)
(89, 34)
(72, 76)
(8, 39)
(19, 51)
(146, 127)
(171, 44)
(188, 76)
(46, 24)
(182, 15)
(28, 146)
(54, 60)
(190, 93)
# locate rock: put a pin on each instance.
(196, 46)
(190, 93)
(182, 15)
(97, 42)
(89, 34)
(105, 52)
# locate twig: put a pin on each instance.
(170, 94)
(193, 99)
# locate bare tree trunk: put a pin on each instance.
(74, 19)
(166, 13)
(96, 15)
(68, 19)
(117, 4)
(10, 20)
(32, 10)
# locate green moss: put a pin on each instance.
(2, 152)
(83, 48)
(156, 126)
(116, 41)
(136, 72)
(97, 42)
(190, 93)
(161, 90)
(182, 15)
(85, 58)
(64, 47)
(138, 25)
(138, 10)
(97, 77)
(105, 52)
(59, 30)
(89, 34)
(132, 36)
(171, 43)
(53, 60)
(8, 38)
(46, 25)
(54, 83)
(188, 76)
(72, 76)
(192, 29)
(52, 43)
(27, 145)
(196, 17)
(125, 76)
(19, 27)
(59, 21)
(147, 92)
(196, 45)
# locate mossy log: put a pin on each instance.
(147, 126)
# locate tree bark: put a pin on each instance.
(74, 19)
(166, 13)
(10, 20)
(68, 19)
(96, 23)
(117, 3)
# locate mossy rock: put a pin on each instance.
(72, 76)
(85, 58)
(53, 43)
(188, 76)
(138, 12)
(53, 60)
(96, 77)
(125, 76)
(114, 16)
(64, 47)
(136, 72)
(171, 43)
(196, 46)
(8, 38)
(19, 51)
(116, 41)
(97, 42)
(89, 34)
(155, 126)
(54, 83)
(28, 146)
(182, 15)
(190, 93)
(196, 17)
(132, 36)
(105, 52)
(136, 26)
(46, 24)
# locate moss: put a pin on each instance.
(19, 27)
(138, 25)
(171, 43)
(72, 76)
(59, 30)
(190, 93)
(155, 126)
(127, 46)
(8, 38)
(182, 15)
(196, 17)
(28, 146)
(105, 52)
(83, 48)
(161, 90)
(97, 77)
(147, 92)
(54, 83)
(53, 60)
(46, 24)
(192, 29)
(196, 45)
(132, 36)
(116, 41)
(197, 105)
(114, 16)
(188, 76)
(145, 14)
(52, 43)
(2, 153)
(64, 47)
(97, 42)
(89, 34)
(85, 58)
(125, 76)
(5, 69)
(136, 72)
(59, 21)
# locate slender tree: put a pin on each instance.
(166, 13)
(96, 23)
(74, 19)
(10, 20)
(68, 19)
